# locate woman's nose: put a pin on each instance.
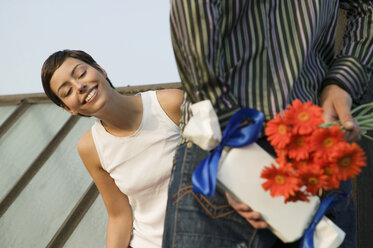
(81, 87)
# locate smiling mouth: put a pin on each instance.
(91, 96)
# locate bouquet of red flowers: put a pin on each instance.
(310, 155)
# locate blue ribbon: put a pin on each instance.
(307, 240)
(204, 176)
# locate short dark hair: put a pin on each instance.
(54, 61)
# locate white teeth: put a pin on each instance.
(90, 95)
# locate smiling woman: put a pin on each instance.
(75, 83)
(128, 151)
(56, 60)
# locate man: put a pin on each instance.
(261, 54)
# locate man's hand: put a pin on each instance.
(254, 218)
(336, 103)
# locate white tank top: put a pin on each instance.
(140, 165)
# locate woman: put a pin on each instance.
(128, 151)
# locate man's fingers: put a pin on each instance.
(258, 224)
(328, 114)
(254, 218)
(354, 134)
(239, 206)
(345, 117)
(251, 215)
(336, 104)
(342, 107)
(344, 114)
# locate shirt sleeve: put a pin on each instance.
(197, 32)
(352, 67)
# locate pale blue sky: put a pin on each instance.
(130, 39)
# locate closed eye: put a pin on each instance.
(68, 92)
(82, 74)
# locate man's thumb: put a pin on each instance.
(347, 121)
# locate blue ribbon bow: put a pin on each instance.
(204, 176)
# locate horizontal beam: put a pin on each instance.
(42, 98)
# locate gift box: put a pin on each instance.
(236, 163)
(239, 174)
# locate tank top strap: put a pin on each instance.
(151, 104)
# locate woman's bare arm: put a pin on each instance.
(117, 205)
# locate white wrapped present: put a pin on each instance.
(239, 173)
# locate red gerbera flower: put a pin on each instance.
(308, 157)
(304, 117)
(349, 158)
(313, 177)
(281, 162)
(278, 132)
(299, 147)
(303, 163)
(298, 196)
(306, 162)
(324, 140)
(331, 173)
(279, 181)
(282, 154)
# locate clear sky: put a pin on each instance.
(130, 39)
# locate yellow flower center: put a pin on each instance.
(299, 141)
(328, 171)
(328, 142)
(279, 179)
(282, 129)
(303, 116)
(313, 181)
(303, 162)
(345, 161)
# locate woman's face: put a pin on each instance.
(80, 86)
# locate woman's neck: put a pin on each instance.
(122, 115)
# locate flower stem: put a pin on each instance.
(366, 107)
(367, 136)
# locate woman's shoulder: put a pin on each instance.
(86, 147)
(88, 153)
(170, 101)
(170, 94)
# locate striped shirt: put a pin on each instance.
(262, 54)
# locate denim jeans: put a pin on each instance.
(198, 221)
